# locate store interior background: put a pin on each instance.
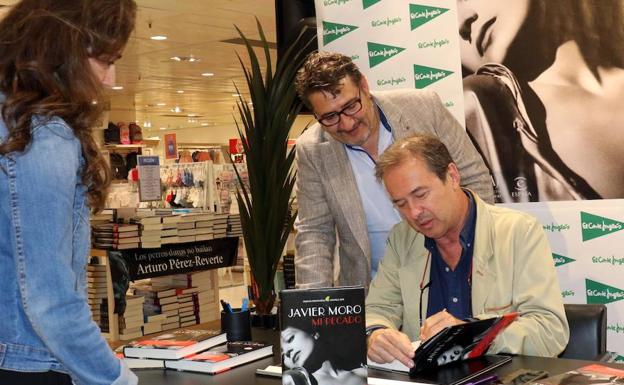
(193, 96)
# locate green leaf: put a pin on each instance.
(265, 206)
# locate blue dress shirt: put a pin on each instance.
(451, 290)
(380, 213)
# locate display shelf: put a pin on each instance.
(125, 146)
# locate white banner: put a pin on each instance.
(586, 244)
(397, 44)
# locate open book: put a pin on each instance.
(459, 342)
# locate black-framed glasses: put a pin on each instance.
(350, 109)
(420, 304)
(422, 287)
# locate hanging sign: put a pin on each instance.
(178, 258)
(149, 178)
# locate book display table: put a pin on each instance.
(134, 264)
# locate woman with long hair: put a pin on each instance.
(545, 94)
(56, 57)
(312, 359)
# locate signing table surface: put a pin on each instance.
(246, 374)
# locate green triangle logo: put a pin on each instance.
(561, 260)
(379, 53)
(619, 359)
(333, 31)
(368, 3)
(424, 76)
(600, 293)
(421, 14)
(594, 226)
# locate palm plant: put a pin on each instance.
(265, 206)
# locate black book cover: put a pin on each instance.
(323, 337)
(459, 342)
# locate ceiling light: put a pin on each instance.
(180, 91)
(236, 95)
(117, 88)
(176, 109)
(163, 128)
(207, 74)
(185, 58)
(205, 124)
(161, 104)
(159, 37)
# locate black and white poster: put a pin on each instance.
(544, 95)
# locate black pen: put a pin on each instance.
(226, 306)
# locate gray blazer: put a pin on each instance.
(329, 200)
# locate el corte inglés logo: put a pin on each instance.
(600, 293)
(561, 260)
(391, 81)
(616, 328)
(368, 3)
(333, 31)
(421, 14)
(386, 22)
(335, 2)
(379, 53)
(594, 226)
(424, 76)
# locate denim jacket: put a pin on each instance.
(45, 320)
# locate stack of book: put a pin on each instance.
(288, 265)
(104, 216)
(204, 230)
(187, 298)
(153, 323)
(96, 289)
(151, 230)
(207, 284)
(116, 236)
(220, 225)
(234, 228)
(160, 300)
(169, 233)
(131, 322)
(204, 351)
(150, 352)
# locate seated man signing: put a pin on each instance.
(454, 257)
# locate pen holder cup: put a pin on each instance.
(237, 325)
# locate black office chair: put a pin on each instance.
(588, 332)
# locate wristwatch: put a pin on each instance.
(372, 328)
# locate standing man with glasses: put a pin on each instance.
(338, 195)
(454, 258)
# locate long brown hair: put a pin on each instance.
(44, 70)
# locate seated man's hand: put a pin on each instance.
(437, 322)
(386, 345)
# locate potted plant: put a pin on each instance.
(265, 204)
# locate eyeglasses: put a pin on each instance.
(350, 109)
(420, 304)
(422, 287)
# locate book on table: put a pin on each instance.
(460, 342)
(222, 357)
(139, 363)
(323, 333)
(174, 344)
(595, 374)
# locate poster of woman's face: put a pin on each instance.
(544, 95)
